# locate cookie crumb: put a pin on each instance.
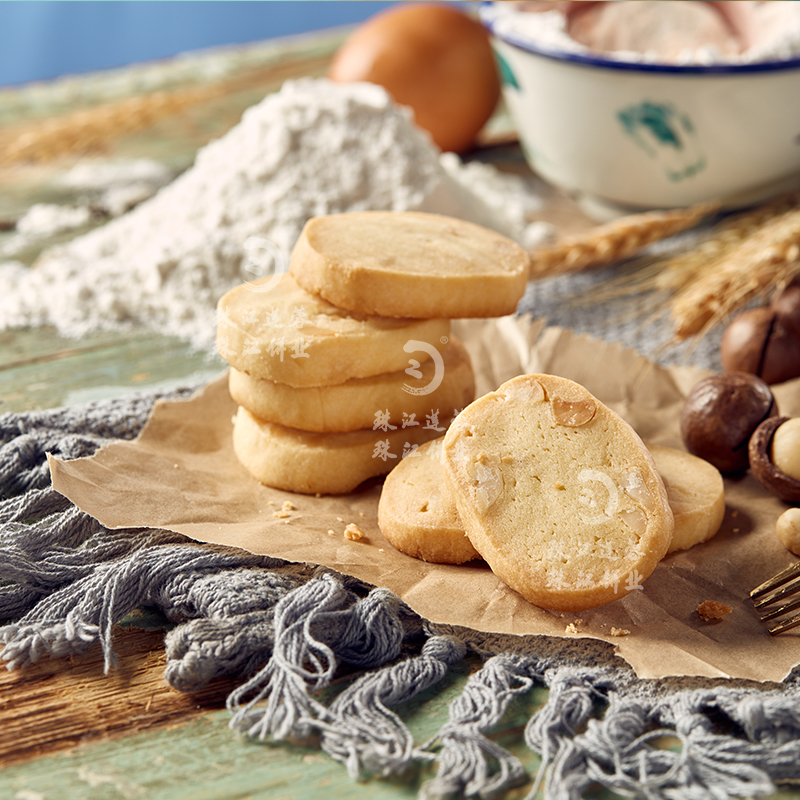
(353, 532)
(331, 531)
(619, 631)
(712, 611)
(572, 628)
(286, 510)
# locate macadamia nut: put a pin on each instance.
(788, 530)
(721, 413)
(786, 448)
(766, 341)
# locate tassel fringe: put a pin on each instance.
(288, 631)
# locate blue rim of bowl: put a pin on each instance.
(630, 66)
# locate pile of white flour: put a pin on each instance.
(313, 148)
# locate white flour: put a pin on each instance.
(770, 31)
(106, 188)
(46, 219)
(114, 187)
(313, 148)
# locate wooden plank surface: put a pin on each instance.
(77, 733)
(57, 704)
(69, 731)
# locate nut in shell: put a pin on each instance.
(764, 470)
(786, 448)
(720, 414)
(766, 341)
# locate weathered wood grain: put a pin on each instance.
(203, 760)
(57, 704)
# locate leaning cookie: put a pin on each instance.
(320, 463)
(417, 512)
(557, 493)
(405, 398)
(282, 333)
(409, 264)
(696, 495)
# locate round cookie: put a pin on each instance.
(287, 335)
(417, 512)
(320, 463)
(696, 495)
(354, 405)
(409, 264)
(557, 493)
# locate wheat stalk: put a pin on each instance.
(767, 259)
(708, 254)
(614, 241)
(745, 256)
(94, 129)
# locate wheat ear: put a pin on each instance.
(614, 241)
(708, 254)
(95, 128)
(767, 259)
(91, 129)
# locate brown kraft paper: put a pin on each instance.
(181, 474)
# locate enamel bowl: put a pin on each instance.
(623, 135)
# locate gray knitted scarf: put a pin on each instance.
(283, 629)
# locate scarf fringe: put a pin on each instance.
(364, 734)
(467, 755)
(289, 630)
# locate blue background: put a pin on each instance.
(46, 38)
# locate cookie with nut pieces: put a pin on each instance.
(321, 463)
(410, 264)
(405, 396)
(695, 492)
(417, 512)
(275, 330)
(557, 493)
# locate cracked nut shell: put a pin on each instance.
(766, 341)
(720, 414)
(773, 479)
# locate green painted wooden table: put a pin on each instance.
(67, 730)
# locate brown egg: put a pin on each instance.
(431, 57)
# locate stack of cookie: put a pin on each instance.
(346, 365)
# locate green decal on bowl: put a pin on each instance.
(666, 135)
(506, 73)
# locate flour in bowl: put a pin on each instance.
(313, 148)
(680, 32)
